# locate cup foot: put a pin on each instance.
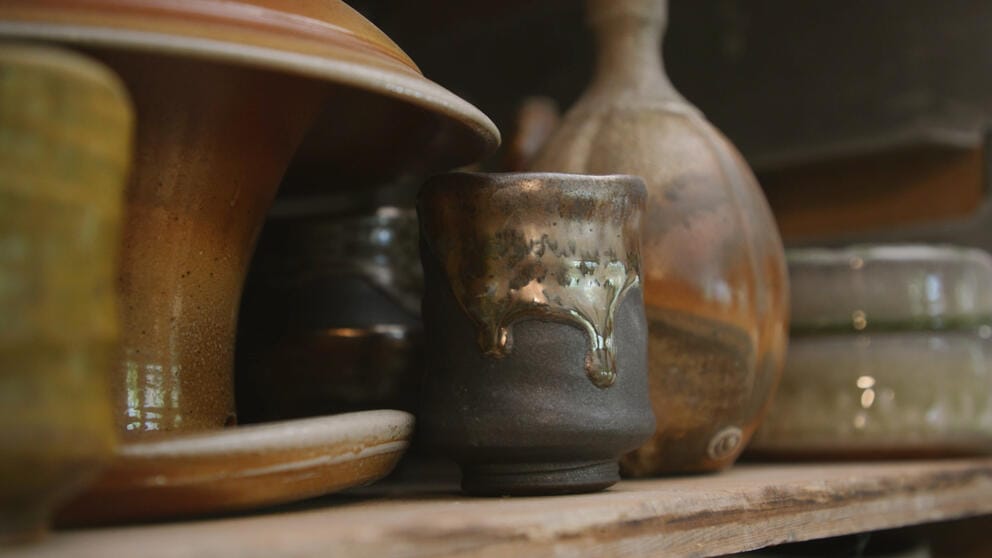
(537, 479)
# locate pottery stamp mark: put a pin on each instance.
(725, 443)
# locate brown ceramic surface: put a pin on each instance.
(322, 39)
(66, 127)
(244, 468)
(224, 93)
(316, 27)
(213, 141)
(714, 279)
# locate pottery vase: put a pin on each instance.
(714, 280)
(65, 148)
(535, 380)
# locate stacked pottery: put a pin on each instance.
(891, 355)
(535, 379)
(65, 148)
(715, 288)
(224, 94)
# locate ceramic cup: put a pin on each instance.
(65, 148)
(536, 338)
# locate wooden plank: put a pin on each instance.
(749, 507)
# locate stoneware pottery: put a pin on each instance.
(535, 379)
(715, 287)
(883, 394)
(904, 287)
(376, 90)
(536, 119)
(898, 364)
(330, 318)
(224, 92)
(245, 467)
(65, 148)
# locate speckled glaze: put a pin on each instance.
(212, 143)
(65, 148)
(714, 281)
(535, 375)
(225, 92)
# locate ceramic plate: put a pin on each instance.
(889, 288)
(244, 467)
(324, 40)
(883, 395)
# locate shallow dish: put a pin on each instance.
(889, 287)
(888, 394)
(244, 467)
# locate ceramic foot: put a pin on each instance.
(536, 479)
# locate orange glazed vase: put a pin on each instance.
(715, 283)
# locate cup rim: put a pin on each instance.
(586, 185)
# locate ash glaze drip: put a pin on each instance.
(547, 279)
(536, 248)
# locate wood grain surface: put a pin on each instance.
(751, 506)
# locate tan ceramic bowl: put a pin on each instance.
(225, 92)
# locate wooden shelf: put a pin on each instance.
(748, 507)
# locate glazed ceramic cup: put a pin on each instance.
(65, 148)
(536, 338)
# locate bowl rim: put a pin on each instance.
(368, 70)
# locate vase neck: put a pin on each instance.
(628, 41)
